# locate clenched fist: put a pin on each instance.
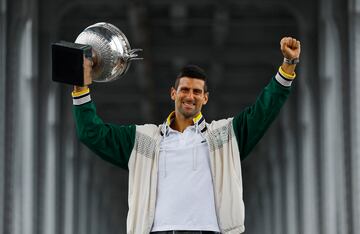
(290, 47)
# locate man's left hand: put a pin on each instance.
(290, 47)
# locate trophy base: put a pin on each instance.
(67, 62)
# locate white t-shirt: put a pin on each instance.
(185, 195)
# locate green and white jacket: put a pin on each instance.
(136, 148)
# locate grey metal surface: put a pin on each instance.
(2, 109)
(354, 12)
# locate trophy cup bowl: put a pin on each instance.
(104, 44)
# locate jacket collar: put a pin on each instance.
(199, 121)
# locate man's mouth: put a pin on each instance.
(188, 105)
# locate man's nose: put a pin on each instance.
(190, 95)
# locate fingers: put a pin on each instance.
(282, 43)
(290, 47)
(289, 42)
(294, 43)
(88, 62)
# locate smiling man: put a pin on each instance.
(185, 174)
(189, 94)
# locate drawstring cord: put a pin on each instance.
(164, 163)
(165, 135)
(195, 148)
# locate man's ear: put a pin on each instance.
(206, 98)
(173, 93)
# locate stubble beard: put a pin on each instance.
(188, 114)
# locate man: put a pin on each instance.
(185, 174)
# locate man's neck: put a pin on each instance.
(180, 123)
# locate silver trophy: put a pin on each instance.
(104, 44)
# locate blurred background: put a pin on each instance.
(303, 176)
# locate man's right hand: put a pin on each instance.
(88, 64)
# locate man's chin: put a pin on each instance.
(188, 114)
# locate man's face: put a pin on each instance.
(189, 97)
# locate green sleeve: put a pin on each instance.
(251, 124)
(111, 142)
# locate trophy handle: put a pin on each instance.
(132, 55)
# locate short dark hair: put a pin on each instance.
(192, 71)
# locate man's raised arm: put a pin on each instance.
(111, 142)
(250, 125)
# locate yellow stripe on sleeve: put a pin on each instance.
(80, 93)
